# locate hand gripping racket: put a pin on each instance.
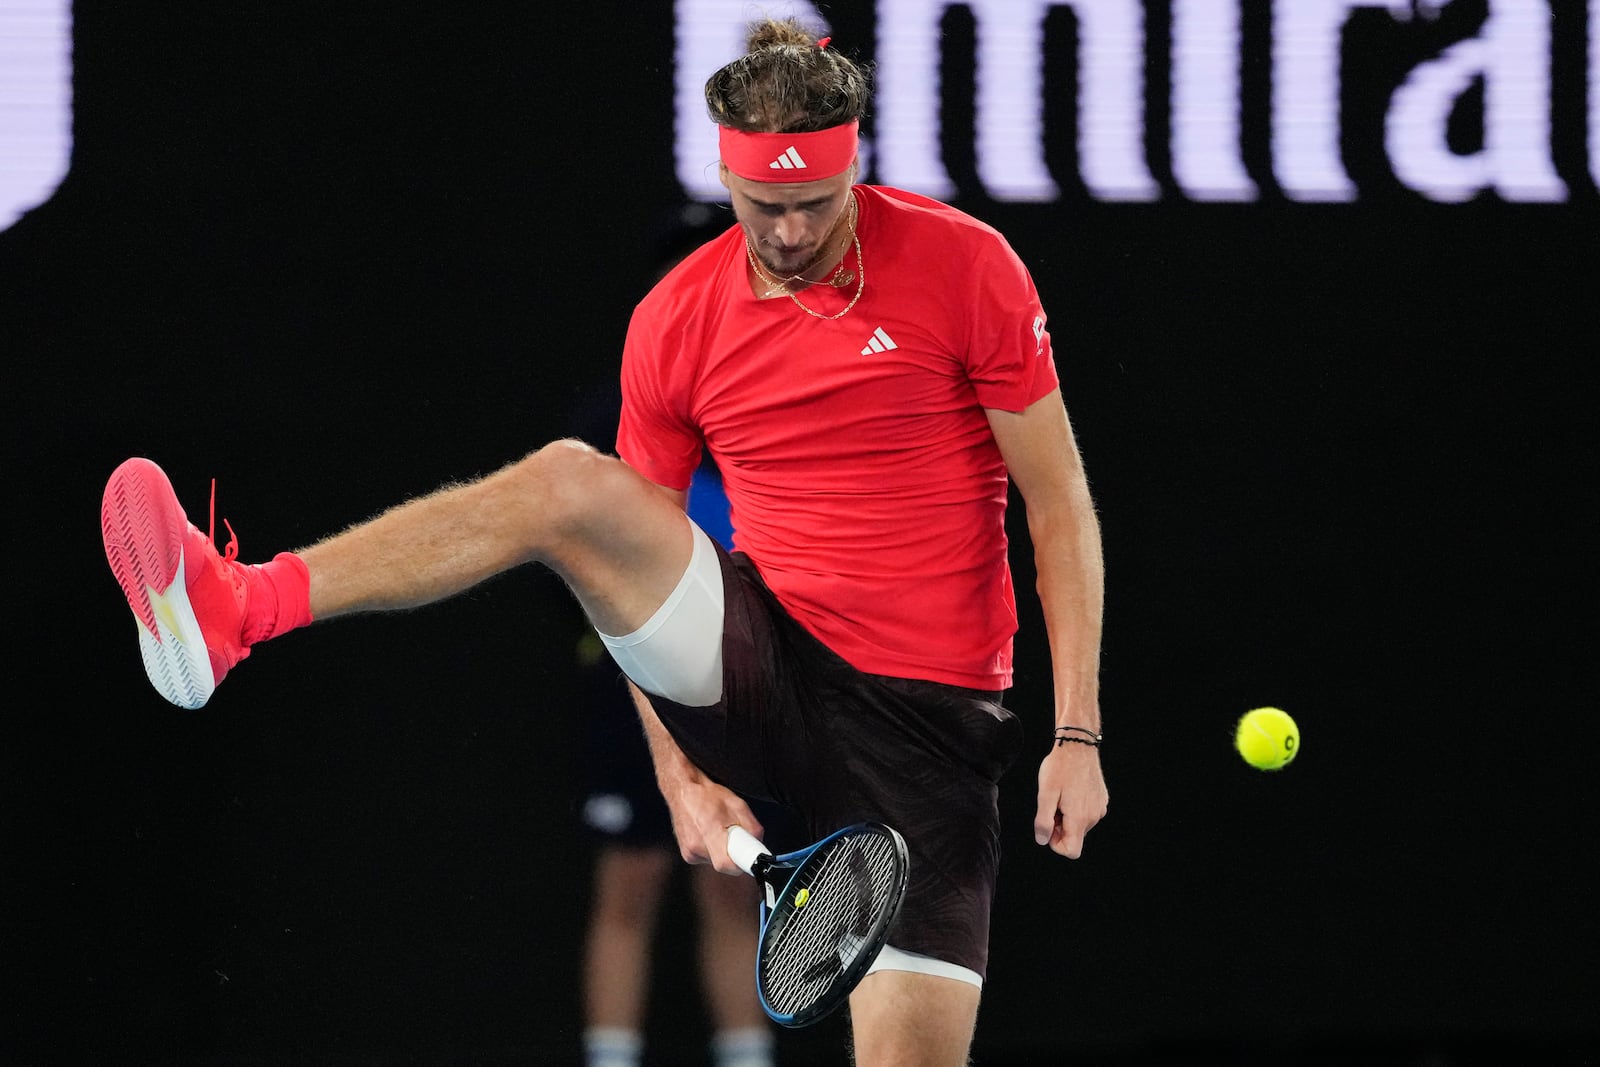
(825, 914)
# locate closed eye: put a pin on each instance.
(776, 210)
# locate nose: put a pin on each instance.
(789, 231)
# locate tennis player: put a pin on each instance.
(867, 367)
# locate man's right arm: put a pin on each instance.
(702, 810)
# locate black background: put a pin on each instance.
(336, 256)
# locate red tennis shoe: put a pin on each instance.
(198, 611)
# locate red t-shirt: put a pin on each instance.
(864, 481)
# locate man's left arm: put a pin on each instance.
(1042, 456)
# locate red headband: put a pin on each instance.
(789, 157)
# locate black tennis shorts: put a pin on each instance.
(799, 726)
(621, 803)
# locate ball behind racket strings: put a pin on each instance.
(829, 922)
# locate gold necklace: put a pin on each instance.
(776, 284)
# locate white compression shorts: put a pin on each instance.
(677, 654)
(894, 959)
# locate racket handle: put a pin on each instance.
(745, 849)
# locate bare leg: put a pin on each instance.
(912, 1020)
(619, 541)
(728, 935)
(628, 886)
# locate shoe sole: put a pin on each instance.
(143, 528)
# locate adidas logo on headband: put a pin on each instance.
(790, 160)
(775, 157)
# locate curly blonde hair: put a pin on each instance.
(784, 83)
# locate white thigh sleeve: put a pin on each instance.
(895, 959)
(678, 653)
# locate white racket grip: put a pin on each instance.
(744, 848)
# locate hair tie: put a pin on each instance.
(822, 42)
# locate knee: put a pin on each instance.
(629, 883)
(567, 456)
(567, 478)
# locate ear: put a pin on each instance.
(722, 175)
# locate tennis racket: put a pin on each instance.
(825, 913)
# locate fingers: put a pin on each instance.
(1063, 838)
(724, 863)
(741, 815)
(700, 821)
(734, 813)
(1067, 844)
(711, 849)
(1062, 833)
(1072, 799)
(1047, 815)
(744, 848)
(1044, 823)
(691, 849)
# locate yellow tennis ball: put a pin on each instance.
(1267, 738)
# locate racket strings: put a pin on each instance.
(849, 898)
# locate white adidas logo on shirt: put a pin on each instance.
(881, 342)
(790, 160)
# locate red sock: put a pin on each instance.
(280, 597)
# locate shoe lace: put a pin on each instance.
(230, 553)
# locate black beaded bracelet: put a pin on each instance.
(1093, 739)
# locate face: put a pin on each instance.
(791, 226)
